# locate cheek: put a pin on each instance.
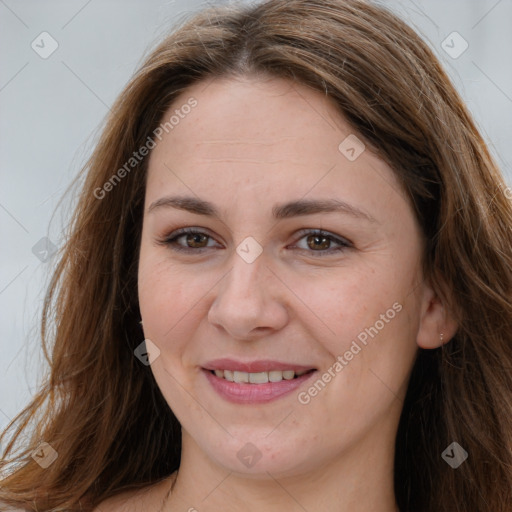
(172, 302)
(163, 296)
(340, 306)
(369, 320)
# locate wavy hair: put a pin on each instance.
(102, 411)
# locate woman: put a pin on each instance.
(293, 208)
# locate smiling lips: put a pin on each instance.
(254, 382)
(258, 377)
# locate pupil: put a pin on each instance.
(195, 238)
(316, 238)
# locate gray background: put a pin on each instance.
(51, 110)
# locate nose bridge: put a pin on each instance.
(246, 299)
(246, 281)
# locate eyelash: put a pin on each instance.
(171, 241)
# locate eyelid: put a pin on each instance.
(327, 234)
(170, 240)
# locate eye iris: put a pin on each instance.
(194, 237)
(317, 238)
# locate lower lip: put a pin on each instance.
(254, 393)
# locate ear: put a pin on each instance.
(437, 321)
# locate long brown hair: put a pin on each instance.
(101, 409)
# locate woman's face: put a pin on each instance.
(258, 293)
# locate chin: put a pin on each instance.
(257, 457)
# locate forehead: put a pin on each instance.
(254, 119)
(262, 134)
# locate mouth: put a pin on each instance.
(259, 377)
(255, 382)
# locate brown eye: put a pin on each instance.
(195, 240)
(318, 242)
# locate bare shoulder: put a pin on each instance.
(139, 500)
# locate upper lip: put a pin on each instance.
(262, 365)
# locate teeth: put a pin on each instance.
(241, 377)
(259, 377)
(275, 376)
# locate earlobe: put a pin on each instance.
(437, 322)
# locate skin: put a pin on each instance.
(250, 143)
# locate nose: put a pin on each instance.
(250, 302)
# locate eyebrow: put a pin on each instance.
(279, 211)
